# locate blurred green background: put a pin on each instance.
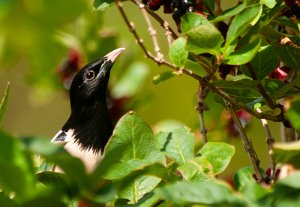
(35, 39)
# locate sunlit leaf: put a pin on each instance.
(178, 144)
(239, 25)
(204, 39)
(191, 20)
(102, 4)
(219, 154)
(178, 54)
(244, 54)
(229, 12)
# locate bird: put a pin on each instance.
(89, 126)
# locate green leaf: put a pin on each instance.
(243, 177)
(269, 3)
(244, 54)
(191, 20)
(73, 167)
(102, 4)
(197, 169)
(291, 181)
(272, 86)
(178, 54)
(242, 90)
(218, 154)
(131, 81)
(288, 54)
(16, 168)
(163, 77)
(178, 144)
(239, 25)
(204, 39)
(3, 103)
(265, 61)
(287, 153)
(229, 12)
(293, 114)
(7, 202)
(208, 192)
(131, 148)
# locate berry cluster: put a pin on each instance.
(177, 7)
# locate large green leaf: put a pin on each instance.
(3, 102)
(265, 61)
(208, 192)
(136, 138)
(204, 39)
(244, 54)
(131, 148)
(178, 144)
(239, 25)
(178, 54)
(293, 114)
(16, 170)
(219, 154)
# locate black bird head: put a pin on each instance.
(89, 124)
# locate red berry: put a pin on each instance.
(280, 73)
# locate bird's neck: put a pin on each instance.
(91, 124)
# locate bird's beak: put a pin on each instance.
(112, 56)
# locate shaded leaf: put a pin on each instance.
(288, 54)
(208, 192)
(265, 61)
(102, 4)
(178, 54)
(163, 77)
(219, 154)
(56, 154)
(178, 144)
(3, 103)
(243, 177)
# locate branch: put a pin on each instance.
(270, 142)
(247, 144)
(201, 107)
(190, 73)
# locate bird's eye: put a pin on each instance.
(89, 75)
